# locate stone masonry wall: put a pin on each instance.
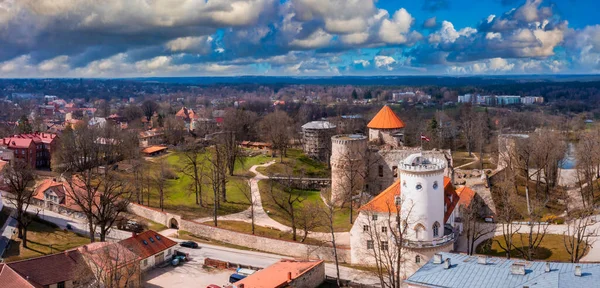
(282, 247)
(310, 279)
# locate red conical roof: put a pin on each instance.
(386, 119)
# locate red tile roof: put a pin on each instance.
(385, 201)
(12, 142)
(11, 279)
(154, 149)
(51, 269)
(276, 275)
(386, 119)
(62, 189)
(465, 195)
(154, 246)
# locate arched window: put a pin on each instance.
(418, 259)
(419, 231)
(436, 229)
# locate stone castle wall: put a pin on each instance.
(288, 248)
(347, 166)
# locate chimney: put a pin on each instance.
(481, 259)
(517, 269)
(437, 258)
(447, 264)
(547, 269)
(290, 275)
(578, 270)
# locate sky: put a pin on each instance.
(160, 38)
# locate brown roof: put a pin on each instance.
(51, 269)
(186, 113)
(152, 245)
(62, 189)
(386, 119)
(11, 279)
(106, 256)
(153, 149)
(276, 275)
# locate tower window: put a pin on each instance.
(374, 217)
(418, 259)
(436, 229)
(365, 228)
(435, 185)
(380, 170)
(419, 186)
(397, 200)
(383, 229)
(395, 170)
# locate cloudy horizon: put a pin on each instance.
(152, 38)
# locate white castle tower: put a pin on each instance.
(422, 197)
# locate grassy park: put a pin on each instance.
(341, 221)
(43, 238)
(551, 249)
(299, 164)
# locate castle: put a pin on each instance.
(413, 204)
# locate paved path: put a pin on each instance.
(261, 217)
(6, 233)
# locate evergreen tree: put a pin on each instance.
(24, 125)
(354, 94)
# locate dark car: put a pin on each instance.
(189, 244)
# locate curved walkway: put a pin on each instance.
(261, 218)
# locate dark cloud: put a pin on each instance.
(430, 23)
(435, 5)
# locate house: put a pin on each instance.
(188, 116)
(452, 270)
(61, 270)
(112, 264)
(57, 196)
(34, 148)
(151, 138)
(11, 279)
(152, 248)
(286, 273)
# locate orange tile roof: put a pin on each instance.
(465, 195)
(386, 119)
(276, 275)
(136, 244)
(153, 149)
(385, 201)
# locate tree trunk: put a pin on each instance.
(293, 225)
(91, 228)
(24, 237)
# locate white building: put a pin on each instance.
(467, 98)
(416, 212)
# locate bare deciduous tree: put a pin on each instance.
(284, 196)
(277, 129)
(194, 168)
(473, 227)
(19, 177)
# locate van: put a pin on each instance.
(236, 277)
(245, 272)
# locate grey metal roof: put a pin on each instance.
(466, 272)
(318, 125)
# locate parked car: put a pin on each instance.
(236, 277)
(189, 244)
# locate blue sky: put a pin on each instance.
(117, 38)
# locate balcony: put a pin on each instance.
(429, 244)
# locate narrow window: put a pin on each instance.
(365, 228)
(383, 229)
(418, 259)
(436, 229)
(380, 170)
(370, 244)
(395, 170)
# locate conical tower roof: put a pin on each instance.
(386, 119)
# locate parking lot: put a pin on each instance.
(189, 274)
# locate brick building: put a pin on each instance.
(33, 148)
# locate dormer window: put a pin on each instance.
(151, 239)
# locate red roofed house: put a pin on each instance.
(152, 248)
(57, 196)
(60, 270)
(11, 279)
(34, 148)
(416, 212)
(386, 128)
(286, 273)
(188, 116)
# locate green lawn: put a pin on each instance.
(43, 239)
(341, 220)
(244, 227)
(299, 164)
(551, 249)
(180, 198)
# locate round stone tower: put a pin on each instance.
(316, 139)
(422, 206)
(348, 154)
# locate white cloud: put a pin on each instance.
(447, 33)
(395, 30)
(384, 62)
(317, 39)
(200, 44)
